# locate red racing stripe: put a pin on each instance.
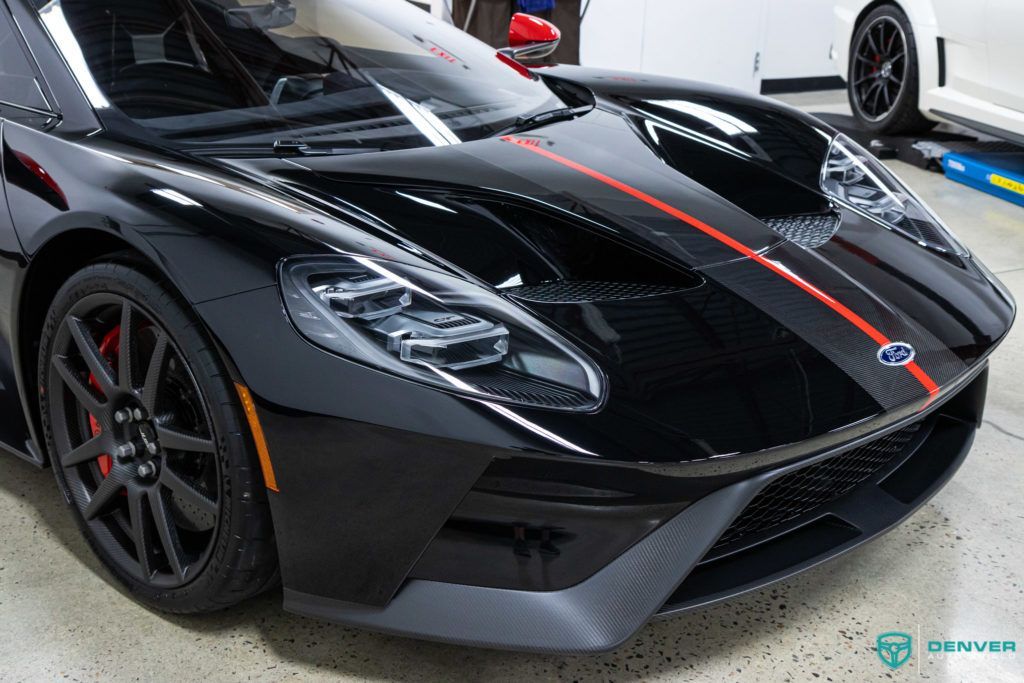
(864, 326)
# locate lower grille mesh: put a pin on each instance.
(804, 490)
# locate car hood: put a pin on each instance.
(600, 142)
(744, 339)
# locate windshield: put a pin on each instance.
(360, 74)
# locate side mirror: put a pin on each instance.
(531, 37)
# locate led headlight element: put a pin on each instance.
(443, 339)
(859, 181)
(437, 329)
(363, 296)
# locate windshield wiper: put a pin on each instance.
(282, 148)
(297, 147)
(525, 123)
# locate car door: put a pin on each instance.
(23, 102)
(961, 26)
(1005, 36)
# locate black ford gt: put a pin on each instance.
(327, 292)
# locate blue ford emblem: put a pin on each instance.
(896, 353)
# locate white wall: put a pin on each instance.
(717, 41)
(798, 36)
(612, 35)
(707, 40)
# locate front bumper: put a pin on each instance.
(408, 510)
(681, 565)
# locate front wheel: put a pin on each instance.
(883, 82)
(146, 439)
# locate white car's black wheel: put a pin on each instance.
(883, 82)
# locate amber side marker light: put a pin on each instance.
(257, 435)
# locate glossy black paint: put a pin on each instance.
(678, 566)
(734, 373)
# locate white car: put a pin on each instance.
(911, 64)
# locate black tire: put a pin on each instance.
(883, 78)
(223, 547)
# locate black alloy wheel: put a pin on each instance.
(161, 485)
(136, 443)
(883, 83)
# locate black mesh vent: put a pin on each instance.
(804, 490)
(809, 232)
(923, 231)
(577, 292)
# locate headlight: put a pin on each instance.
(856, 179)
(436, 329)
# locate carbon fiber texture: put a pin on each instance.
(832, 334)
(602, 612)
(565, 291)
(594, 616)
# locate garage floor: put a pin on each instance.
(953, 571)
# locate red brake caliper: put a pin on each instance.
(110, 349)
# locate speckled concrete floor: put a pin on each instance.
(955, 570)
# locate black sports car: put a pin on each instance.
(328, 292)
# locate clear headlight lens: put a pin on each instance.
(437, 329)
(858, 180)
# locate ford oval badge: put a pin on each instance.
(896, 353)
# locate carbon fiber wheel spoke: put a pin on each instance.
(88, 451)
(103, 496)
(78, 386)
(127, 349)
(168, 533)
(177, 440)
(141, 532)
(98, 365)
(151, 388)
(188, 492)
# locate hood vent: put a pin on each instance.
(524, 250)
(581, 292)
(809, 231)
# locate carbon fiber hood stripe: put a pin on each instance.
(805, 308)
